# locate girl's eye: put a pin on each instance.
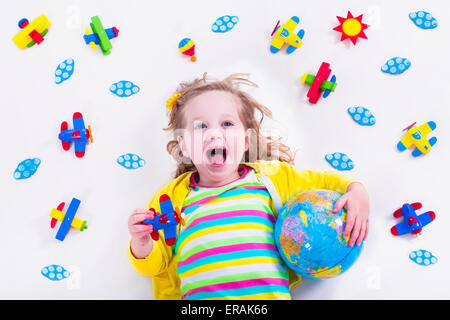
(199, 125)
(227, 124)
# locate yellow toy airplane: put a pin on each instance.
(31, 33)
(417, 136)
(285, 34)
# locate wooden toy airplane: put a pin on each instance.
(31, 33)
(167, 220)
(417, 136)
(319, 83)
(412, 222)
(285, 34)
(100, 36)
(79, 135)
(67, 219)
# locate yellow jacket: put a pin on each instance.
(283, 177)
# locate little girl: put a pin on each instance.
(229, 188)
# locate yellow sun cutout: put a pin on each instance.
(351, 27)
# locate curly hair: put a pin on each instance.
(264, 148)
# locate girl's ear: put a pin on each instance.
(247, 139)
(182, 145)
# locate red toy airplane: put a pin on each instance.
(319, 83)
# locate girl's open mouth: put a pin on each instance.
(217, 156)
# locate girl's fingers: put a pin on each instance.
(340, 203)
(349, 225)
(362, 234)
(367, 229)
(139, 228)
(138, 217)
(355, 232)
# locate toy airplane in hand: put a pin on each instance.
(412, 223)
(417, 136)
(100, 36)
(167, 220)
(79, 135)
(67, 219)
(285, 34)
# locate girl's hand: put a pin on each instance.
(356, 202)
(141, 242)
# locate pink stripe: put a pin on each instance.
(205, 200)
(199, 202)
(239, 285)
(227, 249)
(235, 213)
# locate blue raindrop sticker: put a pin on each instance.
(396, 65)
(224, 24)
(339, 161)
(64, 71)
(423, 19)
(130, 161)
(423, 257)
(124, 88)
(26, 168)
(55, 272)
(362, 116)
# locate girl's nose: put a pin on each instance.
(213, 134)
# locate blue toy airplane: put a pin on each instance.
(79, 135)
(285, 34)
(67, 219)
(167, 220)
(412, 223)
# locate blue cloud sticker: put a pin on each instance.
(124, 88)
(224, 24)
(26, 168)
(423, 257)
(55, 272)
(339, 161)
(423, 19)
(130, 161)
(362, 116)
(396, 65)
(64, 71)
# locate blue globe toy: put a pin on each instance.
(309, 236)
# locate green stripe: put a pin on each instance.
(234, 277)
(224, 242)
(215, 192)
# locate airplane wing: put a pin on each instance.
(276, 44)
(170, 235)
(426, 218)
(426, 128)
(291, 24)
(78, 122)
(166, 205)
(67, 221)
(80, 148)
(404, 143)
(400, 229)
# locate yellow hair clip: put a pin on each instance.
(172, 100)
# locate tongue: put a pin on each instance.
(217, 158)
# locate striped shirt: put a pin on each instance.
(227, 250)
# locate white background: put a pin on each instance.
(146, 53)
